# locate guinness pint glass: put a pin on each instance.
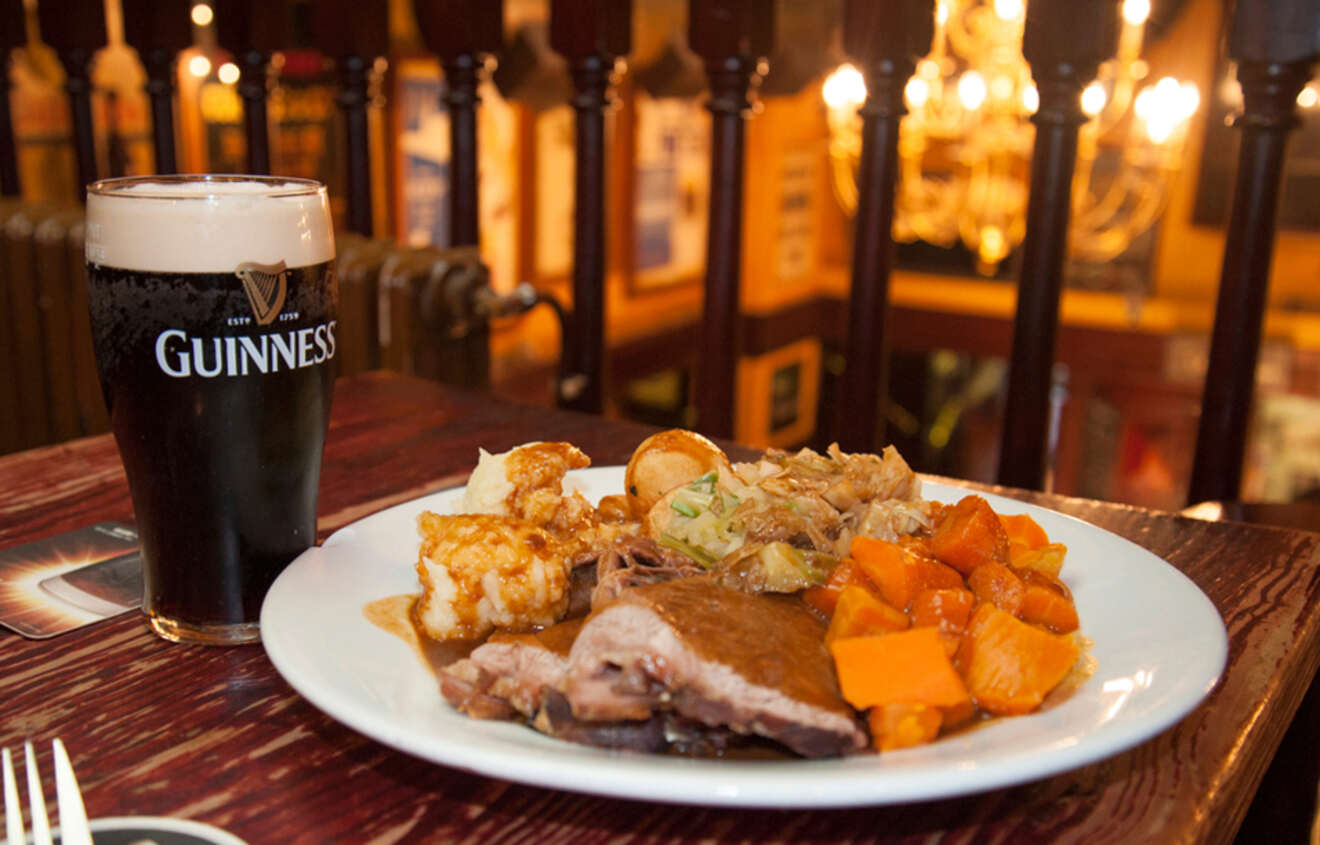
(213, 316)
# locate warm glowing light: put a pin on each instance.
(942, 12)
(1165, 107)
(1010, 10)
(845, 87)
(1030, 99)
(202, 15)
(917, 91)
(1135, 12)
(971, 90)
(1189, 99)
(1094, 99)
(1001, 87)
(229, 73)
(1308, 97)
(928, 69)
(992, 248)
(199, 66)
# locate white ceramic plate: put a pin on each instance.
(1159, 645)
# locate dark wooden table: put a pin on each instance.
(215, 734)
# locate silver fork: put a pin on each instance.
(73, 817)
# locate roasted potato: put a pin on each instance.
(664, 461)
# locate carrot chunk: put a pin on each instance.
(1046, 606)
(859, 613)
(997, 584)
(825, 597)
(968, 535)
(900, 572)
(946, 608)
(1047, 560)
(903, 725)
(1009, 665)
(1022, 530)
(909, 667)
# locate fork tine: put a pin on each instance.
(13, 812)
(36, 800)
(73, 816)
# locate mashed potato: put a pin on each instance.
(480, 572)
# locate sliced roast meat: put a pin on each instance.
(633, 560)
(752, 663)
(514, 670)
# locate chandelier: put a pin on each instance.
(965, 145)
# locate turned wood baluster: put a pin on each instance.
(252, 30)
(1274, 43)
(159, 30)
(354, 33)
(76, 30)
(733, 37)
(462, 33)
(1064, 41)
(886, 40)
(12, 36)
(590, 34)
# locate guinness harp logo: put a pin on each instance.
(265, 285)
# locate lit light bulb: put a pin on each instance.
(1189, 99)
(845, 87)
(199, 66)
(916, 92)
(202, 14)
(1094, 99)
(971, 90)
(1010, 10)
(1135, 12)
(1030, 99)
(1308, 97)
(229, 73)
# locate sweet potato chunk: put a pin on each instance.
(968, 535)
(1009, 665)
(903, 725)
(910, 667)
(859, 613)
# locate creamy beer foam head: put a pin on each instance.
(207, 224)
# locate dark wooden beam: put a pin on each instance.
(354, 33)
(1274, 44)
(462, 33)
(886, 40)
(13, 34)
(1064, 41)
(159, 30)
(252, 30)
(590, 34)
(733, 37)
(76, 30)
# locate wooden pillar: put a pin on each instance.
(159, 30)
(1274, 44)
(590, 34)
(252, 30)
(462, 33)
(1064, 41)
(886, 40)
(12, 36)
(76, 31)
(733, 37)
(354, 33)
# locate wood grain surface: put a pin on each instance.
(215, 734)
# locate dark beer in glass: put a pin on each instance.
(213, 305)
